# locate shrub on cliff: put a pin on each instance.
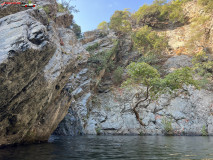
(202, 65)
(142, 73)
(103, 26)
(65, 5)
(146, 40)
(104, 59)
(162, 11)
(117, 75)
(92, 47)
(208, 4)
(120, 21)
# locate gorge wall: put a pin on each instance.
(37, 56)
(107, 108)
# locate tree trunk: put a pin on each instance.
(137, 104)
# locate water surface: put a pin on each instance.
(113, 147)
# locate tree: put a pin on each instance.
(146, 40)
(120, 21)
(142, 73)
(103, 26)
(162, 11)
(65, 5)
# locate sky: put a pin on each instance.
(93, 12)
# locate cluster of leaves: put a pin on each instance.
(150, 58)
(61, 8)
(103, 60)
(92, 47)
(76, 29)
(103, 26)
(143, 73)
(66, 6)
(202, 65)
(46, 9)
(117, 75)
(162, 10)
(208, 4)
(120, 21)
(148, 41)
(167, 124)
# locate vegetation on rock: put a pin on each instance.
(162, 10)
(208, 4)
(92, 47)
(103, 60)
(204, 131)
(167, 124)
(103, 26)
(146, 40)
(119, 21)
(117, 75)
(66, 6)
(144, 74)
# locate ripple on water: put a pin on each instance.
(113, 147)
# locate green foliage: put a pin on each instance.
(178, 78)
(117, 75)
(46, 9)
(150, 58)
(208, 4)
(76, 29)
(142, 73)
(92, 47)
(61, 8)
(98, 131)
(66, 6)
(146, 40)
(199, 20)
(103, 60)
(167, 124)
(120, 21)
(203, 66)
(103, 26)
(204, 131)
(162, 10)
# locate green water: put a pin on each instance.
(113, 147)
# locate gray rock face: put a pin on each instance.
(34, 68)
(176, 62)
(81, 86)
(188, 112)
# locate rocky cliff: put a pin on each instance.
(107, 108)
(38, 54)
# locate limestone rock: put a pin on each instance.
(176, 62)
(34, 68)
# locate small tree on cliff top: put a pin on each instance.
(142, 73)
(120, 21)
(103, 26)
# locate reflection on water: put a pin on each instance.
(113, 147)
